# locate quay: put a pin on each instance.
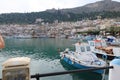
(37, 76)
(18, 68)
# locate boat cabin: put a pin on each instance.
(97, 43)
(101, 45)
(83, 47)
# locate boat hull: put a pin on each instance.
(105, 57)
(80, 66)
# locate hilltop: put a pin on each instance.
(103, 9)
(106, 5)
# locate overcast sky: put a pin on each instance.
(23, 6)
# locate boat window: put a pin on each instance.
(91, 44)
(82, 49)
(98, 44)
(88, 48)
(104, 44)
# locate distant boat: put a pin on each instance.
(111, 40)
(102, 50)
(22, 36)
(82, 57)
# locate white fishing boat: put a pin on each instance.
(82, 57)
(102, 50)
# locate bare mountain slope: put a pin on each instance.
(106, 5)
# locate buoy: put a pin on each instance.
(59, 50)
(2, 44)
(104, 57)
(114, 74)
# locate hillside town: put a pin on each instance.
(56, 30)
(79, 43)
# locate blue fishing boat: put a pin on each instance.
(82, 57)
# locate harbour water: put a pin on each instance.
(44, 57)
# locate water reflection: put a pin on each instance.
(38, 48)
(44, 57)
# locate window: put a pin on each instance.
(91, 44)
(82, 49)
(88, 48)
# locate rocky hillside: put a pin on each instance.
(103, 9)
(106, 5)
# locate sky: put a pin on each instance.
(25, 6)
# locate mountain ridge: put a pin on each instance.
(102, 9)
(98, 6)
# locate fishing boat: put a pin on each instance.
(102, 50)
(111, 40)
(82, 57)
